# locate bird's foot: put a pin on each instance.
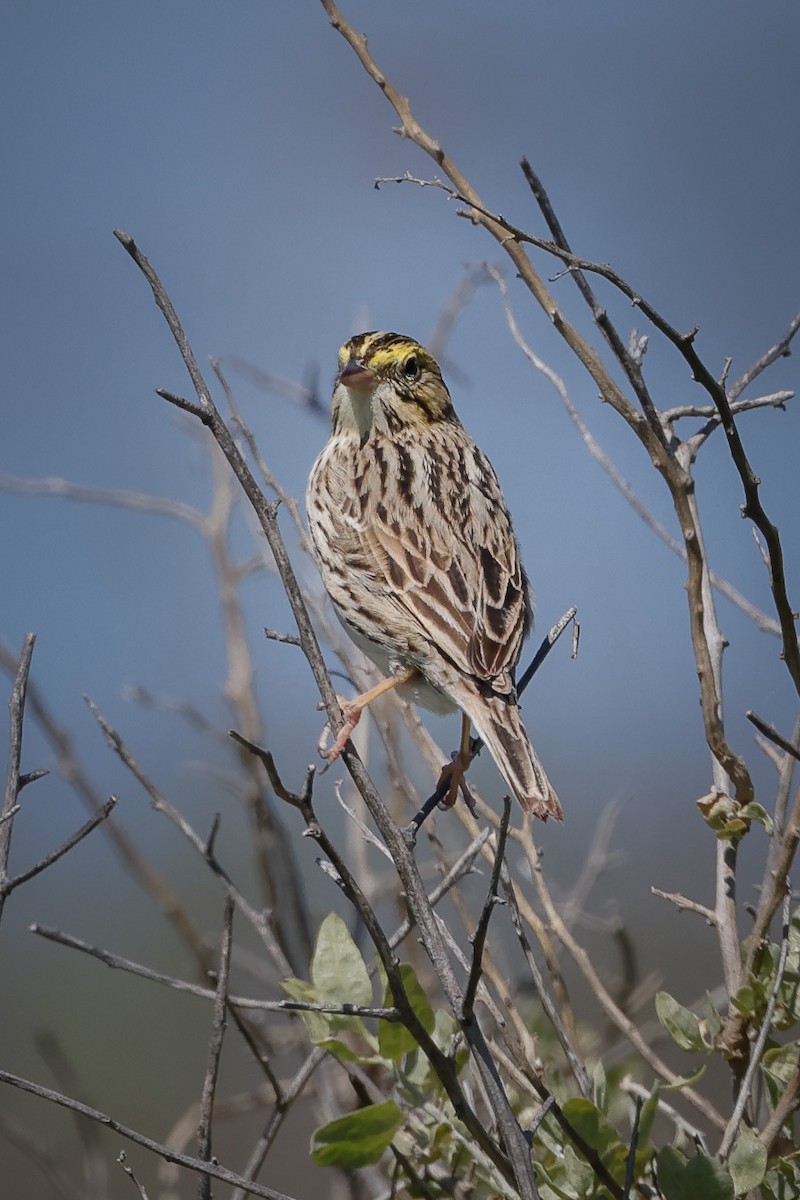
(454, 775)
(352, 715)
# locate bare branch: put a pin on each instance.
(685, 905)
(122, 1159)
(215, 1048)
(551, 1010)
(258, 920)
(600, 992)
(16, 709)
(780, 349)
(303, 397)
(764, 622)
(63, 849)
(479, 937)
(72, 771)
(770, 732)
(132, 1135)
(158, 506)
(788, 1103)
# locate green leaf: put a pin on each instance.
(394, 1039)
(748, 1162)
(757, 812)
(723, 815)
(322, 1026)
(358, 1139)
(338, 970)
(599, 1133)
(684, 1081)
(699, 1178)
(680, 1023)
(420, 1072)
(579, 1176)
(710, 1023)
(600, 1087)
(750, 998)
(782, 1062)
(319, 1025)
(646, 1120)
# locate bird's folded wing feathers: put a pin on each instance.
(463, 587)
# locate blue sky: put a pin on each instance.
(239, 143)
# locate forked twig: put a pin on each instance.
(479, 937)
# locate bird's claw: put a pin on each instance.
(455, 772)
(352, 715)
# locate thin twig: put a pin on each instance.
(757, 1050)
(479, 937)
(258, 920)
(71, 770)
(440, 1062)
(780, 349)
(770, 732)
(122, 1159)
(215, 1048)
(16, 710)
(284, 1101)
(612, 1010)
(132, 1135)
(159, 506)
(685, 905)
(788, 1101)
(576, 1066)
(63, 849)
(630, 1161)
(764, 622)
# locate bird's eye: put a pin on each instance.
(411, 367)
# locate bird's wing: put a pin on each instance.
(448, 554)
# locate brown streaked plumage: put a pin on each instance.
(417, 551)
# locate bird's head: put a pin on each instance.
(386, 382)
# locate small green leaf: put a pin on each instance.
(748, 1162)
(699, 1178)
(357, 1139)
(579, 1176)
(684, 1081)
(318, 1024)
(394, 1039)
(321, 1026)
(680, 1023)
(757, 812)
(710, 1023)
(599, 1133)
(750, 998)
(600, 1087)
(782, 1062)
(346, 1053)
(420, 1073)
(647, 1118)
(338, 970)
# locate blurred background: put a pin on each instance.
(239, 145)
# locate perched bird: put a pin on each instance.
(417, 552)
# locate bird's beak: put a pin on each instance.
(358, 377)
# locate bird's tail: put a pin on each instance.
(499, 724)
